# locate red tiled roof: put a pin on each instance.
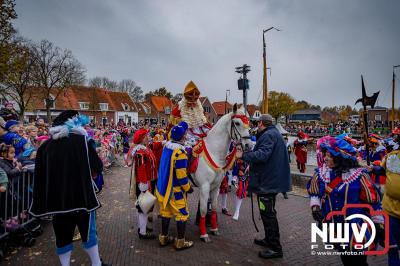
(160, 102)
(219, 107)
(251, 108)
(71, 97)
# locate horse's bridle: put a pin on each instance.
(235, 133)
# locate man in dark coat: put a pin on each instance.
(63, 185)
(269, 175)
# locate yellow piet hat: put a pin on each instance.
(191, 92)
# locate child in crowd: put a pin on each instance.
(3, 180)
(8, 162)
(31, 135)
(13, 138)
(27, 157)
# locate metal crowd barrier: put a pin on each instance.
(15, 221)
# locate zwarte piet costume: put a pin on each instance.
(64, 188)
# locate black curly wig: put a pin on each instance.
(343, 165)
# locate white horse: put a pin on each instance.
(230, 127)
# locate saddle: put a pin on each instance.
(194, 157)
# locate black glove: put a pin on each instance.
(190, 191)
(317, 213)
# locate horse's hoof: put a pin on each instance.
(206, 239)
(215, 232)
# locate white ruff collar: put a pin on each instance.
(193, 116)
(351, 175)
(138, 147)
(324, 173)
(173, 146)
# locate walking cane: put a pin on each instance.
(252, 213)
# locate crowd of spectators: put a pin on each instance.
(338, 128)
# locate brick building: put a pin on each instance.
(155, 111)
(379, 116)
(102, 106)
(209, 110)
(222, 108)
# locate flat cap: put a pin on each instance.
(265, 117)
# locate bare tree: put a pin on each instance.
(103, 82)
(7, 33)
(129, 86)
(177, 98)
(158, 92)
(17, 82)
(54, 70)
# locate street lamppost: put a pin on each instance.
(243, 82)
(227, 93)
(264, 107)
(393, 89)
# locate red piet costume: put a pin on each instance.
(241, 170)
(144, 170)
(300, 150)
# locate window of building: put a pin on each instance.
(207, 109)
(84, 105)
(103, 106)
(50, 101)
(378, 118)
(125, 106)
(167, 110)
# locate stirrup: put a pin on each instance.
(181, 244)
(165, 240)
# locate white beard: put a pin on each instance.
(193, 116)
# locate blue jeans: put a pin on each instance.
(394, 241)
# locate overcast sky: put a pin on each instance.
(319, 55)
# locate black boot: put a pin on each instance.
(164, 225)
(164, 238)
(180, 242)
(270, 254)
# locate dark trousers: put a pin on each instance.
(394, 230)
(64, 228)
(301, 167)
(266, 205)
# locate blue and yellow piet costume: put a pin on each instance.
(173, 182)
(172, 187)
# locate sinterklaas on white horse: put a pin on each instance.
(215, 159)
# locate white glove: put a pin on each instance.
(143, 187)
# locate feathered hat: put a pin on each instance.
(340, 147)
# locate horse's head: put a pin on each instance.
(240, 126)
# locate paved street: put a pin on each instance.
(120, 245)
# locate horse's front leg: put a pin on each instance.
(204, 194)
(214, 204)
